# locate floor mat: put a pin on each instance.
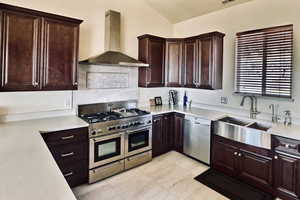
(231, 187)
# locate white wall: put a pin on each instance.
(247, 16)
(137, 19)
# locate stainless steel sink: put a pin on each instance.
(247, 132)
(234, 121)
(259, 126)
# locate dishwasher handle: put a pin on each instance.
(198, 121)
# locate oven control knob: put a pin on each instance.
(94, 132)
(118, 127)
(111, 128)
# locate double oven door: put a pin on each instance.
(138, 141)
(106, 149)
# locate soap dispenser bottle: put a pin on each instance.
(185, 99)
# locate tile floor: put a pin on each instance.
(168, 177)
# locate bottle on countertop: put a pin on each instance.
(185, 99)
(287, 118)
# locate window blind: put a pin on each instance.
(264, 62)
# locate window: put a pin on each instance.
(264, 60)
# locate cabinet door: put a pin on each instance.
(156, 61)
(287, 176)
(191, 69)
(173, 63)
(60, 55)
(205, 62)
(178, 132)
(151, 51)
(255, 169)
(224, 157)
(157, 136)
(20, 51)
(168, 138)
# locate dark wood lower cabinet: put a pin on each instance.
(287, 177)
(167, 133)
(178, 132)
(224, 157)
(157, 135)
(250, 164)
(256, 169)
(70, 151)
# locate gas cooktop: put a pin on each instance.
(113, 115)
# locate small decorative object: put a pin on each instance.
(185, 99)
(152, 102)
(158, 101)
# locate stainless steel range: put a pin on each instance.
(120, 137)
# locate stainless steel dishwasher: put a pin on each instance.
(197, 134)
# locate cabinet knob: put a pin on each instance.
(76, 83)
(239, 154)
(275, 157)
(235, 153)
(35, 84)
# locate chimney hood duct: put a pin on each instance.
(113, 55)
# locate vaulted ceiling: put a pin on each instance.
(179, 10)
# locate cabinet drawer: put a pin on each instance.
(70, 152)
(75, 174)
(286, 145)
(66, 136)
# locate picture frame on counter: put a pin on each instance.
(152, 102)
(158, 101)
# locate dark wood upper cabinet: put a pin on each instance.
(60, 55)
(151, 51)
(190, 65)
(174, 62)
(20, 51)
(194, 62)
(210, 61)
(39, 51)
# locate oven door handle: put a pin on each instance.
(102, 138)
(137, 130)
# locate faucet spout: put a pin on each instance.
(253, 106)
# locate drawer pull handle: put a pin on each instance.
(67, 154)
(68, 137)
(68, 174)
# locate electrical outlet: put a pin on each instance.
(224, 100)
(68, 103)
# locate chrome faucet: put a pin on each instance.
(275, 117)
(253, 108)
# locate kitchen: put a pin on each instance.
(48, 102)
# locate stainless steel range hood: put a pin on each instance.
(113, 55)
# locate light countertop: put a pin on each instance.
(27, 168)
(203, 113)
(279, 129)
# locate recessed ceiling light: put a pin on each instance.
(227, 1)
